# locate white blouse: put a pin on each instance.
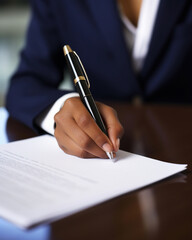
(138, 39)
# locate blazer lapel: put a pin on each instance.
(168, 14)
(107, 20)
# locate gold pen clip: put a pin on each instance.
(86, 77)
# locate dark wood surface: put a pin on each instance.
(160, 211)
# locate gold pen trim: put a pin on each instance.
(77, 79)
(67, 49)
(86, 77)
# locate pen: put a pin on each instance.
(82, 86)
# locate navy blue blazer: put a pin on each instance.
(94, 30)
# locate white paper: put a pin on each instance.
(39, 182)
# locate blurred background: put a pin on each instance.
(14, 17)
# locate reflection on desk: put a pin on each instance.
(10, 232)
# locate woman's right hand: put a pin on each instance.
(78, 134)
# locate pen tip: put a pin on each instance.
(67, 49)
(110, 155)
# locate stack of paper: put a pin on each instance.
(40, 183)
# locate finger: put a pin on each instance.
(70, 147)
(82, 140)
(73, 109)
(114, 127)
(89, 126)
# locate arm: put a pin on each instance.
(34, 86)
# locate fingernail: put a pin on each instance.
(107, 147)
(118, 144)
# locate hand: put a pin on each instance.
(78, 134)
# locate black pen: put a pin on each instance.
(82, 86)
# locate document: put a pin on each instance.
(40, 183)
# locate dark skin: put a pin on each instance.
(131, 9)
(76, 132)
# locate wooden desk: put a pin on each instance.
(160, 211)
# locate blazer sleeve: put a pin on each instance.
(34, 86)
